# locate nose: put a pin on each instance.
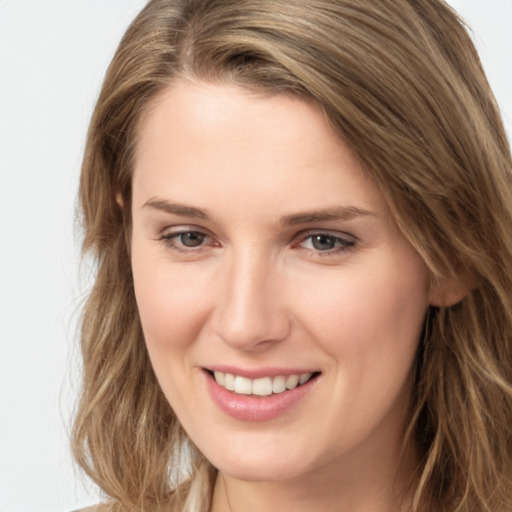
(250, 312)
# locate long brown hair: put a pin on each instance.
(402, 83)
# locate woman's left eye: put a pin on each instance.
(326, 242)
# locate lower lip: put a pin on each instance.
(250, 408)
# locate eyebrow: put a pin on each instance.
(329, 214)
(176, 209)
(335, 213)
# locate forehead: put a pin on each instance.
(220, 110)
(198, 138)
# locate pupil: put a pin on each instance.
(192, 239)
(323, 242)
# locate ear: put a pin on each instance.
(120, 200)
(451, 290)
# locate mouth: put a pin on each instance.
(263, 386)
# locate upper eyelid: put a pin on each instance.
(173, 232)
(329, 232)
(184, 228)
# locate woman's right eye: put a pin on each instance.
(186, 240)
(191, 238)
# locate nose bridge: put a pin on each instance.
(250, 311)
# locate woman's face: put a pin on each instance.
(262, 254)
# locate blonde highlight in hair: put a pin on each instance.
(402, 83)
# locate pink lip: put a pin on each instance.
(250, 408)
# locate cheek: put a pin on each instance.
(171, 304)
(368, 313)
(172, 312)
(369, 321)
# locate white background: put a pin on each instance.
(53, 55)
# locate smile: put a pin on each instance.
(268, 395)
(264, 386)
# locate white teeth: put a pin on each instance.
(243, 386)
(264, 386)
(279, 384)
(219, 377)
(304, 378)
(292, 381)
(229, 382)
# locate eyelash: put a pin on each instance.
(342, 244)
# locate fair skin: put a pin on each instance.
(260, 249)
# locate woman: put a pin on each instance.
(301, 215)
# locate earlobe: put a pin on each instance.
(450, 291)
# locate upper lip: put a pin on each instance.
(257, 373)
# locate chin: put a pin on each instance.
(260, 472)
(262, 465)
